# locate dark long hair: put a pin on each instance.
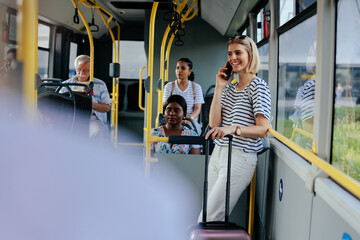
(190, 64)
(179, 100)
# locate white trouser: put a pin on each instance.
(97, 128)
(242, 169)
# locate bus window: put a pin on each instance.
(263, 23)
(12, 26)
(290, 8)
(346, 129)
(132, 58)
(296, 89)
(43, 50)
(73, 55)
(264, 62)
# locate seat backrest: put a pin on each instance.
(205, 109)
(56, 109)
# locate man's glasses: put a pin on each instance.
(83, 70)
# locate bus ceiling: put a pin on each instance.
(227, 17)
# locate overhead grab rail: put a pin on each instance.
(344, 180)
(172, 38)
(91, 40)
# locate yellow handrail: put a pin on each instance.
(115, 94)
(27, 21)
(150, 73)
(150, 139)
(117, 85)
(302, 132)
(140, 89)
(91, 40)
(162, 56)
(252, 204)
(344, 180)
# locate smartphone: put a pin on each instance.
(229, 71)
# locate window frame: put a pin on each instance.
(49, 50)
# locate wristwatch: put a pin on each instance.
(238, 131)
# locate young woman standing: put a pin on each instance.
(247, 120)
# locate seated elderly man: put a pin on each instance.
(9, 61)
(100, 96)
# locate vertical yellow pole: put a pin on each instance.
(117, 83)
(168, 56)
(149, 95)
(252, 204)
(140, 89)
(27, 21)
(115, 94)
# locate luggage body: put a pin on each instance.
(218, 229)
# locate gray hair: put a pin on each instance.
(81, 59)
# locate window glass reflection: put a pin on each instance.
(43, 63)
(296, 88)
(263, 23)
(73, 55)
(290, 8)
(263, 72)
(43, 36)
(346, 129)
(132, 58)
(259, 19)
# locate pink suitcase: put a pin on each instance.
(218, 230)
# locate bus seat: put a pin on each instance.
(205, 110)
(70, 109)
(56, 109)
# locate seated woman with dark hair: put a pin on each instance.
(174, 112)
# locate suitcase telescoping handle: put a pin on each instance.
(227, 193)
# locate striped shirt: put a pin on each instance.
(187, 94)
(100, 94)
(307, 100)
(237, 110)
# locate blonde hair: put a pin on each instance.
(251, 48)
(81, 59)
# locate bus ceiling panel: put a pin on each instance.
(62, 12)
(219, 13)
(227, 17)
(241, 15)
(134, 10)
